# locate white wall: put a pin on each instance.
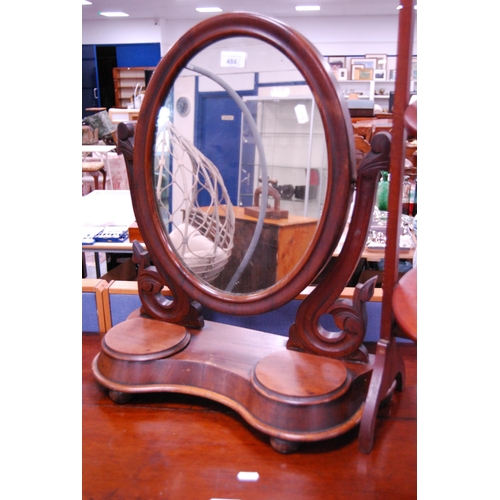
(344, 35)
(116, 31)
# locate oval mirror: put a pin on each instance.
(243, 164)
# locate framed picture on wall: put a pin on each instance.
(336, 61)
(381, 60)
(363, 62)
(379, 75)
(342, 74)
(354, 69)
(361, 73)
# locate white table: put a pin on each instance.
(106, 208)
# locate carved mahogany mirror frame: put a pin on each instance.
(339, 141)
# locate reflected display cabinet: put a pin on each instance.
(293, 142)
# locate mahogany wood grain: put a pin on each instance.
(404, 304)
(237, 367)
(177, 446)
(306, 333)
(388, 363)
(290, 373)
(158, 339)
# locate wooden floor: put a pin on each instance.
(171, 446)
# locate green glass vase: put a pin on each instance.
(383, 192)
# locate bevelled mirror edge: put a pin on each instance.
(339, 190)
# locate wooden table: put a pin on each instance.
(182, 446)
(377, 254)
(114, 208)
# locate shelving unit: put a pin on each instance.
(295, 151)
(364, 88)
(125, 81)
(370, 89)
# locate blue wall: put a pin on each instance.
(138, 54)
(90, 321)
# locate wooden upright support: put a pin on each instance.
(388, 365)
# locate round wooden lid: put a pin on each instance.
(300, 375)
(145, 339)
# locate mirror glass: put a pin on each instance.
(240, 166)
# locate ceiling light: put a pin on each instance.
(86, 2)
(113, 14)
(302, 8)
(209, 9)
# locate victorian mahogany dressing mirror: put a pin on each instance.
(312, 385)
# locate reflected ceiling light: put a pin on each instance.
(208, 9)
(113, 14)
(302, 8)
(399, 7)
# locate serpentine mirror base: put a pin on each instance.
(290, 396)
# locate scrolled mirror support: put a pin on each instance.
(180, 309)
(307, 334)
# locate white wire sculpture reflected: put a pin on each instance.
(184, 239)
(201, 235)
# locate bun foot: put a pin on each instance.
(283, 446)
(120, 397)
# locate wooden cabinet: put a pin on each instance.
(281, 245)
(125, 81)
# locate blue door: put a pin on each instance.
(218, 136)
(89, 80)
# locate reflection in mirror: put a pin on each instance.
(240, 166)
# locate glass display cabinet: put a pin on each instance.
(294, 146)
